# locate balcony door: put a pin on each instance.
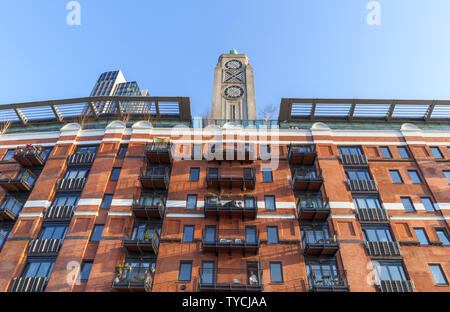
(210, 234)
(207, 272)
(250, 234)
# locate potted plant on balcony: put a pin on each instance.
(146, 235)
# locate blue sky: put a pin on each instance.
(298, 48)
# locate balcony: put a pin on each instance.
(313, 208)
(238, 152)
(31, 156)
(59, 213)
(314, 246)
(148, 207)
(383, 250)
(244, 179)
(29, 284)
(155, 178)
(302, 154)
(10, 209)
(243, 206)
(143, 242)
(372, 215)
(70, 184)
(353, 160)
(362, 186)
(129, 278)
(159, 152)
(230, 240)
(44, 247)
(327, 280)
(223, 279)
(395, 286)
(80, 159)
(23, 181)
(307, 179)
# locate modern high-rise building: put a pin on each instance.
(334, 195)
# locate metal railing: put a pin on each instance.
(327, 280)
(10, 209)
(31, 155)
(59, 213)
(223, 279)
(134, 277)
(80, 159)
(353, 160)
(372, 215)
(383, 249)
(70, 184)
(147, 206)
(395, 286)
(230, 238)
(44, 247)
(23, 181)
(244, 204)
(362, 185)
(143, 241)
(29, 284)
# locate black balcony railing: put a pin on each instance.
(23, 181)
(160, 152)
(353, 160)
(244, 206)
(59, 213)
(320, 245)
(358, 186)
(224, 279)
(383, 250)
(232, 239)
(144, 242)
(31, 156)
(129, 278)
(70, 184)
(149, 206)
(302, 154)
(10, 209)
(155, 178)
(81, 159)
(44, 247)
(29, 284)
(327, 280)
(307, 179)
(313, 208)
(233, 152)
(395, 286)
(219, 179)
(372, 215)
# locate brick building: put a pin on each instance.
(335, 195)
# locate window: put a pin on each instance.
(86, 267)
(207, 272)
(184, 274)
(414, 176)
(250, 234)
(194, 174)
(403, 152)
(197, 151)
(428, 204)
(385, 152)
(276, 272)
(76, 173)
(436, 152)
(438, 274)
(106, 202)
(272, 234)
(66, 200)
(421, 236)
(53, 231)
(389, 271)
(350, 150)
(122, 150)
(358, 174)
(144, 231)
(377, 234)
(315, 234)
(267, 176)
(4, 232)
(115, 173)
(407, 204)
(38, 268)
(86, 149)
(188, 233)
(210, 234)
(8, 155)
(191, 202)
(366, 201)
(447, 175)
(213, 172)
(97, 233)
(269, 202)
(442, 235)
(395, 175)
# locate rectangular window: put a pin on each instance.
(38, 268)
(422, 236)
(443, 237)
(396, 177)
(66, 200)
(385, 152)
(106, 202)
(357, 174)
(403, 152)
(184, 274)
(267, 176)
(115, 173)
(414, 176)
(436, 152)
(350, 150)
(191, 202)
(8, 155)
(86, 270)
(276, 272)
(390, 271)
(97, 233)
(86, 149)
(272, 234)
(428, 204)
(447, 175)
(188, 234)
(53, 231)
(194, 174)
(438, 274)
(77, 173)
(366, 201)
(122, 150)
(377, 234)
(269, 202)
(407, 204)
(197, 152)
